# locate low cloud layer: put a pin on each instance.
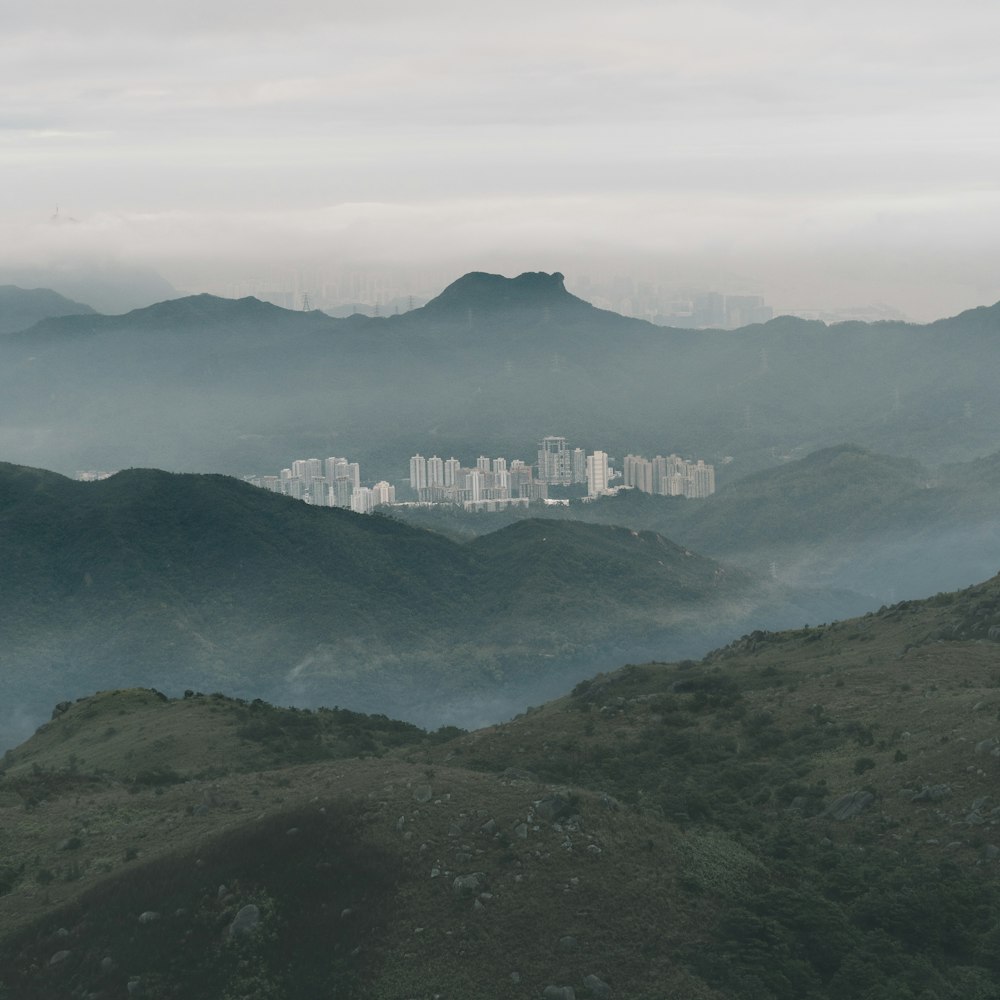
(752, 140)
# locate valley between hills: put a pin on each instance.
(186, 581)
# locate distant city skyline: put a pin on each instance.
(826, 158)
(492, 484)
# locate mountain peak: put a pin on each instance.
(480, 291)
(204, 307)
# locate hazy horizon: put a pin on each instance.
(826, 159)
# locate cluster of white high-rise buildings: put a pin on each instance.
(489, 485)
(496, 482)
(492, 483)
(672, 476)
(559, 465)
(329, 482)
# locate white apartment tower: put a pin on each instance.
(555, 463)
(330, 467)
(307, 469)
(701, 478)
(418, 473)
(384, 492)
(597, 474)
(474, 482)
(363, 500)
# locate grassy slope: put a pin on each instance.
(715, 871)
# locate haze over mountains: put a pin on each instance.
(105, 285)
(188, 592)
(21, 308)
(489, 366)
(204, 582)
(843, 516)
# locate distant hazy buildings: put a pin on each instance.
(489, 485)
(711, 310)
(555, 462)
(672, 476)
(330, 482)
(92, 476)
(597, 474)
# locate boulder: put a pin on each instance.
(465, 885)
(932, 793)
(552, 807)
(597, 988)
(245, 921)
(850, 805)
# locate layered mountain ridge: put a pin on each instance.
(202, 581)
(489, 366)
(843, 516)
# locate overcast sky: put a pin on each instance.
(821, 154)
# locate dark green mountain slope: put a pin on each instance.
(803, 815)
(489, 366)
(204, 582)
(24, 307)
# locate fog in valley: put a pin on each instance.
(856, 467)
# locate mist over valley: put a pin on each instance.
(206, 583)
(201, 582)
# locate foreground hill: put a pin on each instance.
(804, 814)
(842, 516)
(489, 366)
(204, 582)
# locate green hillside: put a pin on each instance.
(805, 814)
(204, 582)
(842, 516)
